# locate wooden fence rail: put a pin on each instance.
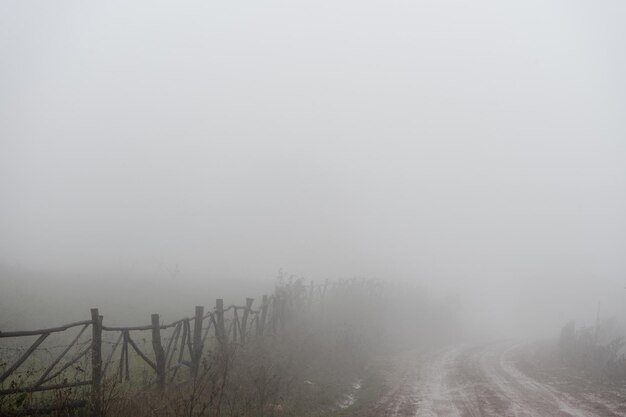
(186, 340)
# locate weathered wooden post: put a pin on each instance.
(159, 354)
(197, 341)
(124, 357)
(220, 330)
(235, 324)
(263, 316)
(96, 363)
(244, 319)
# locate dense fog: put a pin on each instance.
(155, 156)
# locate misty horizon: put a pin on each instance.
(474, 150)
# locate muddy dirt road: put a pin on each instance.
(485, 380)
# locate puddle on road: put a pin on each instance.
(351, 397)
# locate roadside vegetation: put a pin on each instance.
(595, 352)
(322, 358)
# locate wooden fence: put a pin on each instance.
(236, 324)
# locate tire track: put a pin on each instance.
(481, 380)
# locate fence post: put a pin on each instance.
(244, 319)
(159, 354)
(96, 363)
(220, 330)
(263, 316)
(197, 341)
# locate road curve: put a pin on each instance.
(481, 380)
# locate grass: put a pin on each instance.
(306, 368)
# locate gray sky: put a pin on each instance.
(478, 146)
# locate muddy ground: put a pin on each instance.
(494, 379)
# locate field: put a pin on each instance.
(303, 350)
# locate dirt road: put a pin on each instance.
(484, 380)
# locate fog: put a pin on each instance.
(477, 149)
